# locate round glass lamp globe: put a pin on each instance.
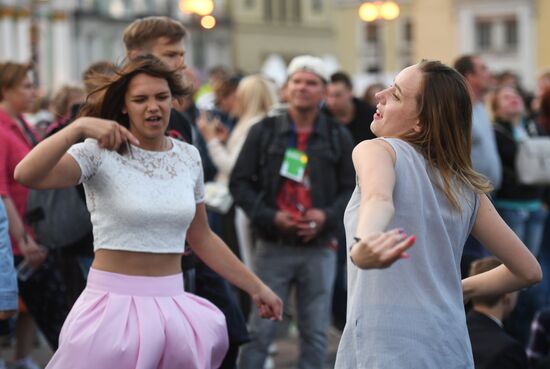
(368, 12)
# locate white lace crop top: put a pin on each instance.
(140, 201)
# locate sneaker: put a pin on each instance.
(26, 363)
(272, 350)
(269, 363)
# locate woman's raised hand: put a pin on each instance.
(268, 303)
(382, 249)
(108, 133)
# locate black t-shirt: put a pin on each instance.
(179, 127)
(359, 127)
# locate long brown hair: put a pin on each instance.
(445, 140)
(112, 89)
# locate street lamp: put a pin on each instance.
(373, 11)
(199, 7)
(370, 11)
(208, 22)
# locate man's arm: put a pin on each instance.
(245, 180)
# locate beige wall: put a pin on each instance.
(542, 25)
(252, 43)
(253, 38)
(434, 30)
(347, 37)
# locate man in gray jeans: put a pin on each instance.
(293, 178)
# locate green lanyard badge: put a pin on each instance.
(294, 164)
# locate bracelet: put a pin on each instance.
(355, 241)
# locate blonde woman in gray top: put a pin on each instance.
(405, 293)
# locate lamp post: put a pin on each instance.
(370, 11)
(201, 8)
(200, 13)
(374, 11)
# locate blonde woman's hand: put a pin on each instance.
(207, 127)
(109, 134)
(268, 303)
(222, 133)
(382, 249)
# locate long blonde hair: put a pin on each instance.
(254, 97)
(445, 140)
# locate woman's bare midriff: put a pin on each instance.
(137, 263)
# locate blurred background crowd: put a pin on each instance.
(237, 53)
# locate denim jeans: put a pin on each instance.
(8, 278)
(311, 270)
(528, 225)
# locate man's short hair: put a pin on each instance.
(342, 77)
(465, 64)
(141, 33)
(481, 266)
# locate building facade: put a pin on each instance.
(283, 27)
(63, 37)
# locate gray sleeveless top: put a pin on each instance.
(411, 315)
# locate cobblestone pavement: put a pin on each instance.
(288, 347)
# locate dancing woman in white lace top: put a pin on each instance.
(145, 196)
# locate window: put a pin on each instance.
(408, 31)
(282, 10)
(372, 32)
(296, 10)
(511, 33)
(483, 34)
(268, 10)
(317, 6)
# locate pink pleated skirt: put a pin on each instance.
(137, 322)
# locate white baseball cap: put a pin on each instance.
(308, 63)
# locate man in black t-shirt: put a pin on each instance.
(347, 110)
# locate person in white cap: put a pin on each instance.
(293, 179)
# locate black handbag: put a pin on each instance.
(59, 217)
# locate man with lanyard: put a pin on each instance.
(293, 178)
(164, 38)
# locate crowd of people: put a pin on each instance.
(219, 209)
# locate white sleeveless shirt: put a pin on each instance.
(411, 315)
(140, 201)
